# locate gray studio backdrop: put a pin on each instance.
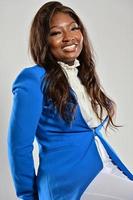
(110, 27)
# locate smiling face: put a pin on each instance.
(65, 39)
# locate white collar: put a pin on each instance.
(69, 67)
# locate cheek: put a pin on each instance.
(80, 39)
(55, 49)
(54, 46)
(56, 53)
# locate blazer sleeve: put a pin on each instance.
(25, 115)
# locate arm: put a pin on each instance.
(26, 111)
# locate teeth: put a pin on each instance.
(71, 47)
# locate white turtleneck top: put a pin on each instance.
(83, 98)
(87, 112)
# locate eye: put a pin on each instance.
(75, 28)
(54, 33)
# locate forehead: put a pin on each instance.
(60, 18)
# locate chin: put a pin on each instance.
(70, 59)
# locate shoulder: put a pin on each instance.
(35, 72)
(29, 77)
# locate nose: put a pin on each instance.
(67, 36)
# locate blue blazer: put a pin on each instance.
(68, 157)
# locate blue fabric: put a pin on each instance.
(68, 157)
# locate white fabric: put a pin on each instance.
(86, 110)
(108, 166)
(109, 187)
(110, 181)
(81, 94)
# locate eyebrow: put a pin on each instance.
(60, 26)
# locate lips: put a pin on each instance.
(71, 47)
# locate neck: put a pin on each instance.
(70, 63)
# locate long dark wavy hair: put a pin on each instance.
(57, 87)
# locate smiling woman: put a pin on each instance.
(60, 101)
(66, 39)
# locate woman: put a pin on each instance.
(61, 103)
